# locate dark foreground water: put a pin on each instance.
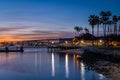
(39, 64)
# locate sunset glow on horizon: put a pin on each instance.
(48, 19)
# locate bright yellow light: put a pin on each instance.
(66, 42)
(82, 41)
(101, 41)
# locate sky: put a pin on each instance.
(47, 19)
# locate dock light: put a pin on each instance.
(52, 42)
(100, 41)
(82, 41)
(66, 42)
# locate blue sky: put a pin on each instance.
(40, 19)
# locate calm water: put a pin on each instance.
(38, 64)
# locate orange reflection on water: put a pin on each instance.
(7, 56)
(76, 61)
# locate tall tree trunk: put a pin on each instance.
(119, 30)
(105, 30)
(105, 42)
(92, 35)
(97, 30)
(115, 29)
(108, 31)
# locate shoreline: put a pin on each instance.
(71, 51)
(107, 62)
(110, 70)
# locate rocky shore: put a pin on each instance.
(111, 70)
(104, 61)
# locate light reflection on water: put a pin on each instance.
(82, 71)
(66, 66)
(36, 64)
(53, 65)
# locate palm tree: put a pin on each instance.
(92, 22)
(76, 28)
(119, 24)
(104, 19)
(86, 30)
(109, 27)
(98, 22)
(80, 29)
(115, 20)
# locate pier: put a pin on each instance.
(12, 49)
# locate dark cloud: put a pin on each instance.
(36, 34)
(8, 29)
(25, 33)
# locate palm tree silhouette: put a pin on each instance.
(80, 29)
(77, 29)
(92, 22)
(110, 22)
(98, 22)
(115, 20)
(104, 19)
(119, 24)
(86, 30)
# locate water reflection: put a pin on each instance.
(66, 66)
(53, 65)
(41, 65)
(36, 61)
(82, 71)
(76, 62)
(101, 76)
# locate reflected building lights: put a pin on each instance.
(66, 66)
(101, 76)
(36, 61)
(53, 65)
(74, 60)
(82, 71)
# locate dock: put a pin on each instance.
(12, 49)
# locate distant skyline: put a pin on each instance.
(43, 19)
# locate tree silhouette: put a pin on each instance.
(109, 30)
(77, 29)
(119, 24)
(92, 22)
(86, 30)
(104, 19)
(115, 20)
(98, 22)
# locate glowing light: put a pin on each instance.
(82, 41)
(52, 42)
(101, 41)
(66, 42)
